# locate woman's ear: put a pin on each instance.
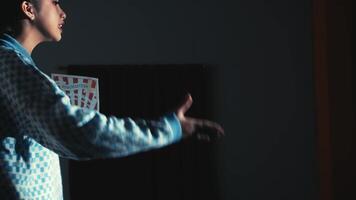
(28, 9)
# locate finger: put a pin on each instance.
(203, 137)
(220, 129)
(213, 126)
(187, 103)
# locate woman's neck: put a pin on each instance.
(28, 37)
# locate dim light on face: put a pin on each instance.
(49, 20)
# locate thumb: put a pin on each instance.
(186, 104)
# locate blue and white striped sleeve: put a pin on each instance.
(39, 109)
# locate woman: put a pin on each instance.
(38, 123)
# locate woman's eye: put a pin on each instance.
(56, 2)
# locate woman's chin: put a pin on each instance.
(57, 38)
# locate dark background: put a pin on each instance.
(183, 171)
(262, 89)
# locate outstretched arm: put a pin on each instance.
(32, 106)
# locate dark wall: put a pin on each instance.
(263, 86)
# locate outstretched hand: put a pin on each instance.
(201, 128)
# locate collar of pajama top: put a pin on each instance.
(8, 41)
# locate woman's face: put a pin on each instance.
(49, 19)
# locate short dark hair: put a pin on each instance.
(11, 14)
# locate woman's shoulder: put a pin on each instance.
(7, 53)
(10, 56)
